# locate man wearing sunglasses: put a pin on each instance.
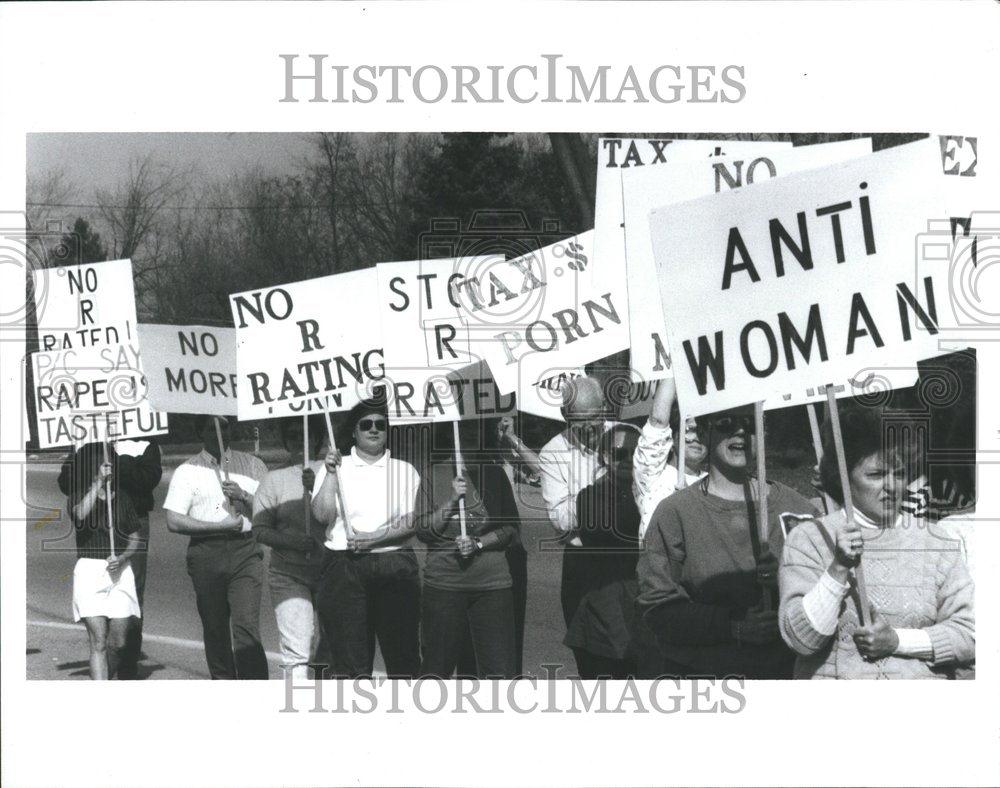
(370, 583)
(707, 579)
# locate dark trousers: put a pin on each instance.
(517, 561)
(128, 665)
(366, 596)
(595, 666)
(488, 616)
(228, 575)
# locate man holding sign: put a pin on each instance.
(210, 499)
(370, 584)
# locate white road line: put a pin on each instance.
(168, 640)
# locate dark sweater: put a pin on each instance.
(138, 476)
(93, 537)
(608, 521)
(489, 507)
(698, 573)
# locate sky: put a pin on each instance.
(99, 161)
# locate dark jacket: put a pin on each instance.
(604, 618)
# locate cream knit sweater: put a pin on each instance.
(915, 576)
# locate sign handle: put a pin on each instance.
(223, 459)
(336, 480)
(758, 417)
(307, 494)
(845, 484)
(107, 500)
(828, 504)
(460, 471)
(681, 451)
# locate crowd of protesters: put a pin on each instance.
(667, 569)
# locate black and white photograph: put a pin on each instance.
(456, 390)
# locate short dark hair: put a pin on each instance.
(374, 406)
(316, 426)
(863, 427)
(201, 418)
(84, 463)
(608, 438)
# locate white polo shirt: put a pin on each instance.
(374, 493)
(196, 486)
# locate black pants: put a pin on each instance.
(517, 561)
(486, 617)
(228, 575)
(595, 666)
(366, 596)
(128, 665)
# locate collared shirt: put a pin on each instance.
(566, 468)
(374, 493)
(196, 487)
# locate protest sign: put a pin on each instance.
(190, 369)
(543, 396)
(309, 346)
(88, 376)
(616, 155)
(83, 306)
(92, 394)
(680, 181)
(809, 278)
(430, 371)
(543, 304)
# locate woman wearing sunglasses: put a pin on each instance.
(924, 622)
(600, 632)
(370, 583)
(707, 580)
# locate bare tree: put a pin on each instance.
(48, 194)
(133, 207)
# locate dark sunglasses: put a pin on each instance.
(730, 425)
(367, 424)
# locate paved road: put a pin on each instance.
(57, 648)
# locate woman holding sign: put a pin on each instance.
(104, 594)
(924, 623)
(708, 574)
(279, 521)
(467, 580)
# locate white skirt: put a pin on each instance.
(97, 593)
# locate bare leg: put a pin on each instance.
(97, 631)
(118, 629)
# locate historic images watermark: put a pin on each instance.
(527, 695)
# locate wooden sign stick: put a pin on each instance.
(845, 484)
(758, 417)
(107, 500)
(828, 504)
(336, 481)
(460, 471)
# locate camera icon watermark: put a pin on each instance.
(969, 249)
(39, 254)
(501, 269)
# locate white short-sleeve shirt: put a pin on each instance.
(374, 493)
(196, 486)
